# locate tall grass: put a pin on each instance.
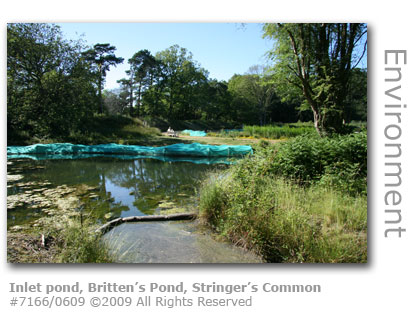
(277, 132)
(79, 243)
(285, 222)
(256, 206)
(283, 131)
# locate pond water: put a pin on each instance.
(105, 188)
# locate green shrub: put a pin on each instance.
(341, 160)
(344, 176)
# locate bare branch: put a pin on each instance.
(363, 53)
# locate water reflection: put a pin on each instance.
(203, 160)
(120, 187)
(112, 187)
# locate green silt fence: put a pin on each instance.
(174, 150)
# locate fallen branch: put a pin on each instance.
(171, 217)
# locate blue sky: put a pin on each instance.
(223, 49)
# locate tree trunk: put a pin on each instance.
(131, 100)
(170, 104)
(333, 120)
(317, 121)
(100, 94)
(139, 98)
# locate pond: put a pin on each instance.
(105, 188)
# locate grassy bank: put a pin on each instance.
(289, 208)
(179, 125)
(215, 140)
(96, 130)
(73, 243)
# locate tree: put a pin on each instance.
(126, 89)
(243, 103)
(49, 86)
(141, 74)
(316, 60)
(102, 56)
(182, 84)
(115, 101)
(261, 90)
(153, 102)
(172, 60)
(217, 105)
(253, 95)
(356, 99)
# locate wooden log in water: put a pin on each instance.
(171, 217)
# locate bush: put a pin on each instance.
(344, 176)
(341, 160)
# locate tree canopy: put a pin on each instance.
(55, 86)
(316, 60)
(102, 57)
(49, 85)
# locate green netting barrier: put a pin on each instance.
(174, 150)
(194, 133)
